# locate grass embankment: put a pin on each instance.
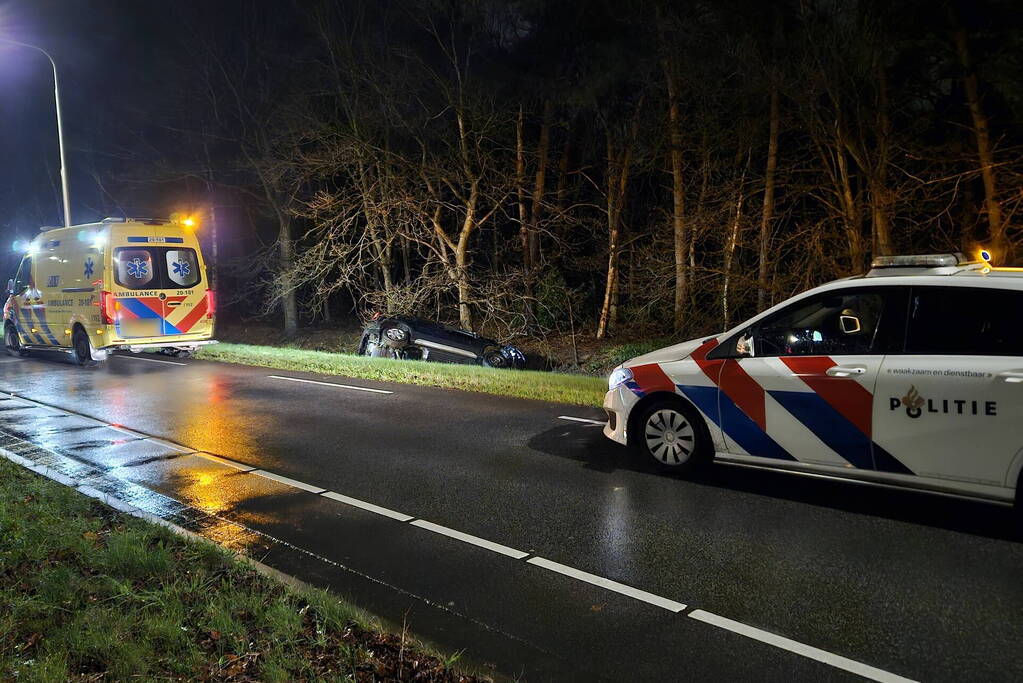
(89, 593)
(545, 386)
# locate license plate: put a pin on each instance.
(148, 327)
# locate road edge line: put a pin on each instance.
(796, 647)
(369, 507)
(620, 588)
(470, 539)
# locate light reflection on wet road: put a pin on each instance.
(885, 578)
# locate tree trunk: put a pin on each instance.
(462, 260)
(880, 193)
(462, 280)
(678, 199)
(287, 253)
(520, 190)
(996, 228)
(612, 239)
(733, 242)
(539, 184)
(850, 206)
(617, 182)
(767, 216)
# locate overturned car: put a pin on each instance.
(411, 338)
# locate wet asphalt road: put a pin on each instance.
(919, 586)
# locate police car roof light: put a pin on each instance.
(919, 261)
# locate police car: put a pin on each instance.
(910, 375)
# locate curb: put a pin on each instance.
(128, 509)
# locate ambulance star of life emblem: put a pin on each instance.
(89, 266)
(137, 268)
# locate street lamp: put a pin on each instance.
(60, 126)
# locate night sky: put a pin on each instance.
(113, 62)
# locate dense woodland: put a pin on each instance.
(618, 167)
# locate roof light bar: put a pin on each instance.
(919, 261)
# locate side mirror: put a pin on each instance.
(850, 324)
(10, 286)
(744, 345)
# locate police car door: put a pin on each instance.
(805, 393)
(951, 406)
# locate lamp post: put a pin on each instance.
(60, 127)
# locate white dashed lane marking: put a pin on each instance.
(331, 384)
(584, 420)
(225, 461)
(355, 502)
(798, 648)
(610, 585)
(469, 538)
(290, 482)
(152, 360)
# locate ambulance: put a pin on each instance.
(120, 283)
(908, 376)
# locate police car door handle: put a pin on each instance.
(1012, 376)
(845, 370)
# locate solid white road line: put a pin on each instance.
(468, 538)
(784, 643)
(582, 419)
(170, 445)
(610, 585)
(290, 482)
(225, 461)
(355, 502)
(331, 384)
(119, 428)
(153, 360)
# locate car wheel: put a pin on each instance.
(395, 336)
(493, 358)
(83, 348)
(673, 436)
(12, 342)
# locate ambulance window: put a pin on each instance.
(965, 321)
(834, 323)
(182, 267)
(134, 268)
(23, 278)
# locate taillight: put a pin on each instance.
(211, 304)
(106, 307)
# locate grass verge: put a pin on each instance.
(87, 593)
(545, 386)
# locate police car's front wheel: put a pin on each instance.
(672, 434)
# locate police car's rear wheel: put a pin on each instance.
(672, 435)
(83, 348)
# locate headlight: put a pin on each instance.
(395, 333)
(619, 377)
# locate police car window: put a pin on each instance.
(965, 321)
(182, 267)
(834, 323)
(134, 268)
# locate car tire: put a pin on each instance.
(396, 344)
(493, 358)
(12, 342)
(671, 434)
(82, 348)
